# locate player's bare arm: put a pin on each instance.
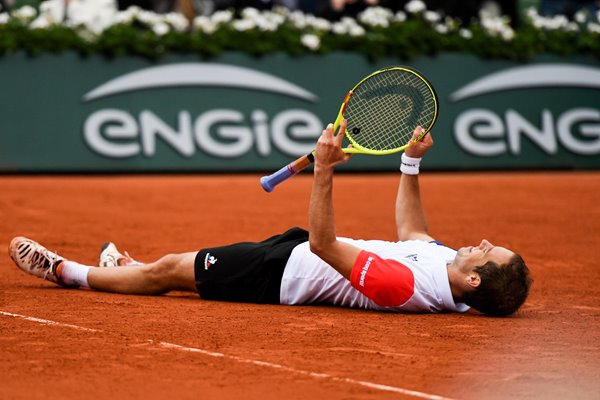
(410, 216)
(321, 221)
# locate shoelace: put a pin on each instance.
(39, 258)
(128, 259)
(117, 256)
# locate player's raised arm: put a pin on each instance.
(410, 216)
(321, 221)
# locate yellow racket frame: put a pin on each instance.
(357, 148)
(269, 182)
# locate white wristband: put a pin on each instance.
(410, 165)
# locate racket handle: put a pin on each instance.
(270, 181)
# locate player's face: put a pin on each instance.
(470, 257)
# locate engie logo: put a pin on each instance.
(222, 132)
(484, 132)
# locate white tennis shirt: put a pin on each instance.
(309, 280)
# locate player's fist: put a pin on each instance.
(418, 149)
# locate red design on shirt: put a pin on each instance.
(386, 282)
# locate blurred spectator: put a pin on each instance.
(308, 6)
(468, 10)
(258, 4)
(125, 4)
(568, 7)
(336, 9)
(464, 10)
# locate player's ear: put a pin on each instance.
(473, 279)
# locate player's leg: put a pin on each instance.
(171, 272)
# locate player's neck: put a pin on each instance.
(456, 280)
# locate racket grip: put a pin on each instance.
(269, 182)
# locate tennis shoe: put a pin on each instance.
(36, 260)
(110, 257)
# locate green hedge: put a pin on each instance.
(375, 33)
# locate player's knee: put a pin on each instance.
(162, 270)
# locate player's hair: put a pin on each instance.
(503, 288)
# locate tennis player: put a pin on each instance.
(415, 274)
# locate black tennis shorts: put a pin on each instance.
(248, 272)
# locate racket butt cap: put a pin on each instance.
(266, 184)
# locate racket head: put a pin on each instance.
(384, 108)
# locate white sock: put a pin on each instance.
(73, 273)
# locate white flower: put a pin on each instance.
(432, 16)
(319, 24)
(24, 14)
(348, 26)
(400, 16)
(123, 17)
(592, 27)
(40, 22)
(415, 6)
(537, 22)
(252, 18)
(4, 17)
(204, 24)
(357, 31)
(268, 26)
(242, 25)
(127, 16)
(250, 13)
(53, 10)
(298, 20)
(498, 27)
(557, 22)
(339, 28)
(491, 25)
(581, 16)
(177, 21)
(160, 28)
(572, 27)
(148, 17)
(274, 17)
(222, 17)
(465, 33)
(210, 24)
(376, 17)
(91, 17)
(532, 12)
(265, 23)
(507, 34)
(441, 28)
(312, 42)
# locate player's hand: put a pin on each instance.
(418, 149)
(329, 151)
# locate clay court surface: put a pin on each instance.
(72, 344)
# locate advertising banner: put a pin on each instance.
(64, 113)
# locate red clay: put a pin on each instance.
(549, 350)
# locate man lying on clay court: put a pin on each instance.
(415, 274)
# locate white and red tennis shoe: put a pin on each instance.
(111, 257)
(35, 259)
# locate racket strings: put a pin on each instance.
(385, 109)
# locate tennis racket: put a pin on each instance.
(382, 110)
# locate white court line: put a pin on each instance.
(280, 367)
(48, 322)
(307, 373)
